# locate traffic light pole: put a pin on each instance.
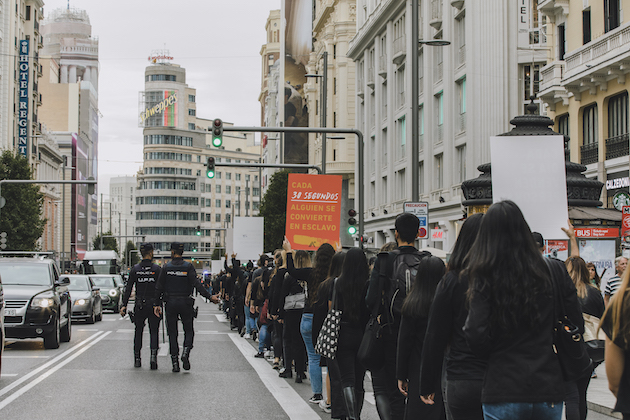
(359, 148)
(270, 165)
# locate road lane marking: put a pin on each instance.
(125, 331)
(290, 401)
(213, 332)
(26, 357)
(163, 350)
(46, 374)
(88, 329)
(205, 321)
(46, 365)
(9, 374)
(221, 318)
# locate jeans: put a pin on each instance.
(315, 372)
(463, 398)
(264, 341)
(523, 411)
(250, 323)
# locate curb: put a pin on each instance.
(603, 410)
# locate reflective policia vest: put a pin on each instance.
(177, 283)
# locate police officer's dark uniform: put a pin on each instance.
(175, 286)
(144, 277)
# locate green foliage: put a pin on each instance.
(216, 254)
(108, 243)
(21, 217)
(132, 256)
(273, 208)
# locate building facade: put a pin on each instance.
(585, 86)
(468, 91)
(175, 201)
(118, 214)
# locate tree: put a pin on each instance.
(21, 217)
(273, 208)
(108, 243)
(132, 256)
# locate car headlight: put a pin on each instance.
(80, 302)
(113, 292)
(42, 302)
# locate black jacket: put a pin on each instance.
(144, 276)
(276, 299)
(522, 366)
(445, 329)
(177, 280)
(301, 274)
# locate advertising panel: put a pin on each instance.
(625, 223)
(80, 161)
(93, 199)
(297, 46)
(158, 108)
(22, 121)
(313, 210)
(601, 253)
(557, 249)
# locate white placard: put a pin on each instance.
(248, 238)
(530, 171)
(217, 266)
(229, 243)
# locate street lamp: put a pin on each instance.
(324, 99)
(435, 43)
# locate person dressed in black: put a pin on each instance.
(143, 276)
(175, 285)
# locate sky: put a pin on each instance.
(218, 42)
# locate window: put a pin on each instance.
(618, 115)
(562, 41)
(217, 189)
(421, 178)
(384, 147)
(589, 125)
(439, 63)
(228, 189)
(384, 190)
(208, 217)
(192, 112)
(460, 34)
(439, 172)
(228, 175)
(586, 26)
(400, 87)
(401, 185)
(439, 112)
(208, 202)
(217, 217)
(372, 154)
(228, 218)
(217, 203)
(160, 78)
(612, 14)
(191, 126)
(256, 192)
(402, 137)
(28, 13)
(191, 98)
(461, 163)
(237, 177)
(563, 128)
(421, 70)
(461, 91)
(421, 127)
(218, 176)
(208, 188)
(384, 100)
(228, 204)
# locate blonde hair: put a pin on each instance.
(619, 310)
(578, 271)
(302, 259)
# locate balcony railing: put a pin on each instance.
(589, 153)
(440, 133)
(382, 65)
(436, 9)
(462, 122)
(551, 75)
(614, 42)
(370, 77)
(400, 45)
(617, 146)
(461, 55)
(439, 71)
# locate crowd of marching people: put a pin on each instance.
(499, 332)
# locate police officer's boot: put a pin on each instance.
(175, 360)
(154, 353)
(137, 363)
(185, 356)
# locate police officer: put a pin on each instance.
(144, 276)
(175, 286)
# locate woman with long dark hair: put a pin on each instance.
(411, 338)
(294, 349)
(311, 278)
(464, 371)
(592, 306)
(593, 276)
(511, 318)
(350, 288)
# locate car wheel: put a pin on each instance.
(100, 314)
(66, 331)
(51, 340)
(92, 319)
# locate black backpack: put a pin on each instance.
(402, 270)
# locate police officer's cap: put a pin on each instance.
(145, 248)
(177, 247)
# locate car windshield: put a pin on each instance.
(78, 284)
(25, 274)
(104, 282)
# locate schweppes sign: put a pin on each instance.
(166, 107)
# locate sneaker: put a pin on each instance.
(269, 354)
(325, 406)
(276, 365)
(254, 335)
(259, 355)
(315, 399)
(247, 336)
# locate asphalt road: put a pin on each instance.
(92, 377)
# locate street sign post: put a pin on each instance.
(421, 210)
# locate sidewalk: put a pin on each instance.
(599, 397)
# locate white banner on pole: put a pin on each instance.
(530, 171)
(248, 238)
(217, 266)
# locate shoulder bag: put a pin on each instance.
(328, 338)
(294, 301)
(575, 362)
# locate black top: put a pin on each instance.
(276, 298)
(522, 366)
(411, 338)
(592, 303)
(301, 274)
(446, 321)
(177, 280)
(144, 275)
(290, 286)
(623, 394)
(364, 315)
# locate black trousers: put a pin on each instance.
(179, 309)
(463, 398)
(144, 311)
(388, 397)
(294, 348)
(276, 338)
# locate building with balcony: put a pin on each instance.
(174, 200)
(468, 92)
(585, 87)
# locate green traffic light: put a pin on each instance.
(352, 230)
(217, 141)
(210, 174)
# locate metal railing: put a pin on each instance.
(382, 64)
(616, 39)
(617, 146)
(589, 153)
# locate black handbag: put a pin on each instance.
(371, 352)
(568, 342)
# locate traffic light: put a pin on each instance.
(217, 132)
(210, 168)
(198, 230)
(352, 229)
(90, 186)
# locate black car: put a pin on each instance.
(111, 290)
(86, 298)
(37, 301)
